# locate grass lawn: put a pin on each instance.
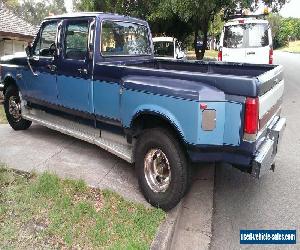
(45, 212)
(209, 54)
(293, 47)
(2, 114)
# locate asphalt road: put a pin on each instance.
(273, 202)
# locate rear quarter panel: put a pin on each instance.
(186, 116)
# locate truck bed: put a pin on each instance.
(232, 78)
(238, 69)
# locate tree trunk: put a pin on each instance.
(195, 44)
(205, 38)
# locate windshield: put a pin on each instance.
(124, 39)
(163, 49)
(250, 35)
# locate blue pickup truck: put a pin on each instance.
(93, 76)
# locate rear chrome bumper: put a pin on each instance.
(266, 153)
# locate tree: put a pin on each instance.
(175, 17)
(201, 13)
(274, 21)
(288, 29)
(11, 4)
(136, 8)
(35, 11)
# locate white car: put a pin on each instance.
(246, 40)
(168, 48)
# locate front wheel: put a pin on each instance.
(12, 106)
(161, 168)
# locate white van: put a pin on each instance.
(246, 40)
(168, 48)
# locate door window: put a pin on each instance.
(46, 39)
(76, 39)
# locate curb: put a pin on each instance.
(194, 227)
(164, 236)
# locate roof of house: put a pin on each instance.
(13, 25)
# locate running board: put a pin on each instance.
(113, 143)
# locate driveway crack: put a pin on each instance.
(61, 148)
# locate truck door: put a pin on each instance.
(41, 85)
(74, 80)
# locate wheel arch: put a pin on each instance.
(9, 81)
(148, 119)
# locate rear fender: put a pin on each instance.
(160, 112)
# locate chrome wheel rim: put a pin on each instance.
(157, 170)
(14, 108)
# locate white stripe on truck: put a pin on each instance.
(269, 99)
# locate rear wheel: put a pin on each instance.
(12, 106)
(161, 168)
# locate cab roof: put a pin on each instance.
(96, 14)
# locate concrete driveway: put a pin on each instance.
(40, 149)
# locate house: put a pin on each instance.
(15, 33)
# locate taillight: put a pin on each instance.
(220, 55)
(271, 56)
(251, 118)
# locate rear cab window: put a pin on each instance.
(248, 35)
(120, 38)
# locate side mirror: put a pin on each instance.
(28, 50)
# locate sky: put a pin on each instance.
(69, 5)
(291, 9)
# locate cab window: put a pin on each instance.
(46, 39)
(124, 39)
(76, 40)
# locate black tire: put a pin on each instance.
(15, 123)
(163, 140)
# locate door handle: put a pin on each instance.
(36, 59)
(51, 67)
(251, 53)
(83, 71)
